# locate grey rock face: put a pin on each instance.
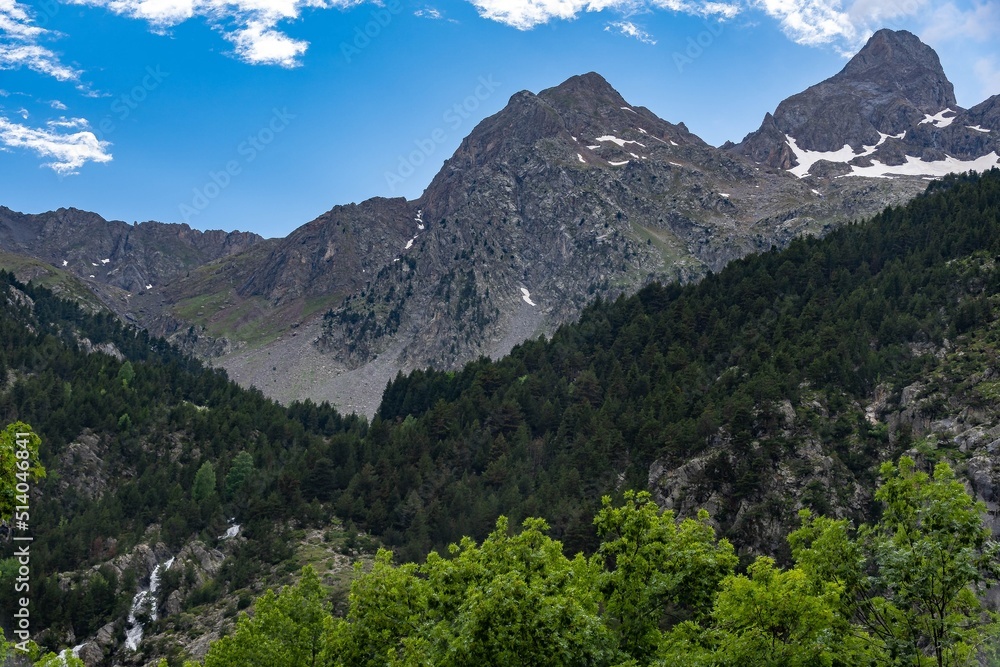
(117, 254)
(567, 195)
(561, 197)
(894, 95)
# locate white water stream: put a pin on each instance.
(144, 601)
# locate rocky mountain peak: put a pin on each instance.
(113, 255)
(898, 60)
(890, 110)
(590, 90)
(561, 197)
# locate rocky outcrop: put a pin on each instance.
(892, 100)
(113, 253)
(199, 564)
(82, 468)
(563, 196)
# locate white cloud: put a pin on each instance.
(19, 44)
(69, 123)
(722, 10)
(847, 24)
(815, 22)
(844, 25)
(629, 29)
(159, 13)
(988, 72)
(526, 14)
(429, 13)
(68, 152)
(37, 58)
(56, 104)
(15, 22)
(884, 13)
(260, 44)
(251, 25)
(980, 23)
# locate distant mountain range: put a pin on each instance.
(562, 197)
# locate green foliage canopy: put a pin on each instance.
(19, 464)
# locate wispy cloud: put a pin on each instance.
(629, 29)
(429, 13)
(67, 151)
(844, 25)
(69, 123)
(815, 22)
(20, 44)
(252, 26)
(980, 22)
(988, 72)
(526, 14)
(847, 24)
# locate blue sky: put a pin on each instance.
(261, 114)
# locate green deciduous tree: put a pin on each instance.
(292, 628)
(513, 600)
(387, 605)
(659, 571)
(19, 465)
(911, 579)
(775, 618)
(523, 603)
(932, 553)
(902, 591)
(126, 374)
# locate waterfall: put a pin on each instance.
(144, 601)
(66, 652)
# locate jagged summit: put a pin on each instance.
(115, 255)
(890, 110)
(562, 196)
(591, 89)
(896, 60)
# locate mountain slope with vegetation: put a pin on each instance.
(777, 385)
(150, 458)
(900, 591)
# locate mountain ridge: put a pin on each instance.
(560, 197)
(891, 105)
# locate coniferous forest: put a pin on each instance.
(755, 373)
